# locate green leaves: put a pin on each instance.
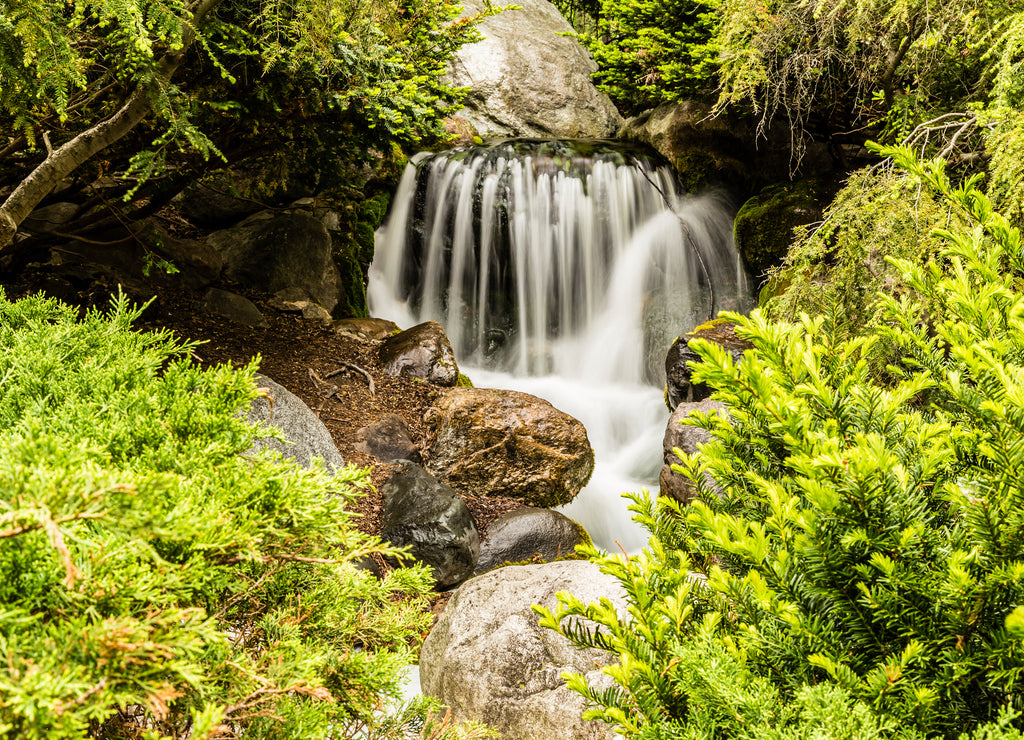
(156, 574)
(654, 51)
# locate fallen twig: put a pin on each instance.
(319, 383)
(355, 368)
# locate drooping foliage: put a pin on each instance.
(857, 62)
(838, 266)
(157, 579)
(857, 568)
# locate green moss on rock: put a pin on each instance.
(764, 225)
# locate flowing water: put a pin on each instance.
(565, 270)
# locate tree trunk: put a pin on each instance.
(64, 160)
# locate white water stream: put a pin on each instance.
(563, 270)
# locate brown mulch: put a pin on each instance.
(300, 354)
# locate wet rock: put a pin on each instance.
(277, 251)
(709, 149)
(306, 436)
(232, 307)
(764, 225)
(529, 534)
(529, 77)
(424, 513)
(387, 439)
(489, 660)
(422, 352)
(365, 330)
(679, 386)
(509, 444)
(686, 438)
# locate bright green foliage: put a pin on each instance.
(654, 51)
(838, 267)
(862, 573)
(306, 79)
(153, 573)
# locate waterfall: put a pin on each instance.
(563, 269)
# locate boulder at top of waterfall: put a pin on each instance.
(686, 438)
(387, 439)
(424, 513)
(489, 661)
(529, 77)
(277, 251)
(530, 534)
(677, 362)
(306, 436)
(510, 444)
(422, 352)
(724, 148)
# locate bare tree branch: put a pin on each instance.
(64, 160)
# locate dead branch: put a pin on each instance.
(356, 369)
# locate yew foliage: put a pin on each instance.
(862, 572)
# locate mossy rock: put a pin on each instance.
(463, 381)
(531, 535)
(764, 225)
(352, 297)
(698, 169)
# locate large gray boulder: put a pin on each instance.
(488, 659)
(273, 252)
(423, 352)
(429, 517)
(530, 534)
(686, 438)
(510, 444)
(306, 435)
(525, 79)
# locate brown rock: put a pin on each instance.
(422, 352)
(680, 387)
(365, 330)
(387, 439)
(509, 444)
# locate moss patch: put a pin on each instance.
(764, 225)
(358, 219)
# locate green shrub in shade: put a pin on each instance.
(862, 574)
(654, 51)
(157, 579)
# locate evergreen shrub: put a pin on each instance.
(158, 580)
(650, 52)
(862, 574)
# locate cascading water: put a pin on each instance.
(565, 270)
